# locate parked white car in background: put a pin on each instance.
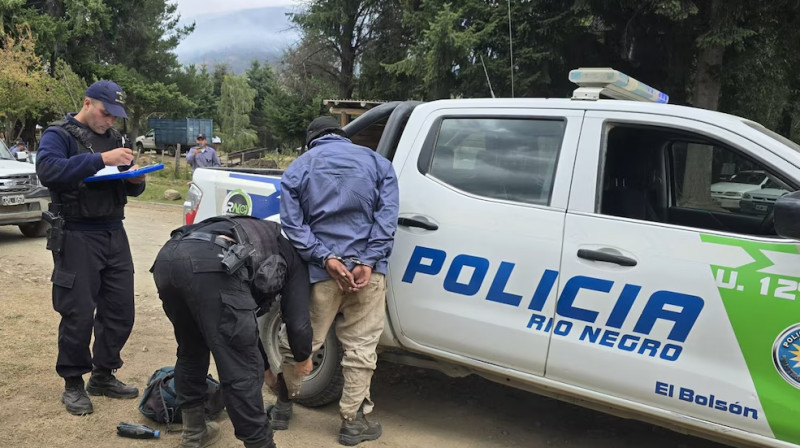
(761, 200)
(22, 198)
(728, 194)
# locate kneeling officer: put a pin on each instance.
(213, 277)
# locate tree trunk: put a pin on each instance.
(347, 57)
(705, 92)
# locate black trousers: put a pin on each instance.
(93, 290)
(212, 311)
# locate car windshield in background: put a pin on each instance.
(773, 135)
(750, 178)
(4, 152)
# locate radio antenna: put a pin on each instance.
(487, 77)
(511, 48)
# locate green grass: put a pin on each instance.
(167, 179)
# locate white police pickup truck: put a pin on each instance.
(572, 248)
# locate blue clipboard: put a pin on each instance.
(125, 174)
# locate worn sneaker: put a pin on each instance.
(107, 384)
(75, 398)
(279, 415)
(358, 430)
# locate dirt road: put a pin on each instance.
(417, 408)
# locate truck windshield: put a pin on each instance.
(773, 135)
(4, 152)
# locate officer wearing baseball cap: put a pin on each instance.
(93, 270)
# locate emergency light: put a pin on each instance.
(593, 82)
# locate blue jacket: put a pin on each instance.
(342, 199)
(59, 166)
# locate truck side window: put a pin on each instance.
(513, 159)
(676, 177)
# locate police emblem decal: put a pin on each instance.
(786, 355)
(237, 202)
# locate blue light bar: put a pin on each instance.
(614, 84)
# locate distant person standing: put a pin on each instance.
(19, 147)
(202, 156)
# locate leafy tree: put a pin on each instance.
(262, 80)
(144, 97)
(346, 29)
(301, 89)
(235, 104)
(442, 51)
(197, 85)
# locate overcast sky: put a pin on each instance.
(193, 8)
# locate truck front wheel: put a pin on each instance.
(34, 229)
(324, 384)
(139, 146)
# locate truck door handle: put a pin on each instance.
(417, 222)
(598, 255)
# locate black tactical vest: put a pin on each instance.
(101, 201)
(266, 267)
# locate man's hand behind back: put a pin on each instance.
(338, 271)
(361, 276)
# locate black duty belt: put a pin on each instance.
(210, 237)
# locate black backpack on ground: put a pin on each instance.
(159, 399)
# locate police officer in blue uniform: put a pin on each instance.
(213, 277)
(93, 270)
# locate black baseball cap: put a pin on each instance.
(200, 137)
(111, 95)
(322, 125)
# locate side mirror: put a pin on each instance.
(787, 215)
(22, 156)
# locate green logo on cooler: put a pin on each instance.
(762, 303)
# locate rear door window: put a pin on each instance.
(512, 159)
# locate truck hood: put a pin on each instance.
(12, 167)
(767, 194)
(733, 187)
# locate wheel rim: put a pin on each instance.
(319, 358)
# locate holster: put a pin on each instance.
(56, 234)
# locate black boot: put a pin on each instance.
(103, 382)
(75, 398)
(261, 444)
(279, 414)
(358, 430)
(197, 433)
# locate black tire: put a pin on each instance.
(139, 146)
(170, 150)
(36, 229)
(325, 382)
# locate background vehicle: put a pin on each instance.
(558, 246)
(165, 134)
(22, 198)
(762, 200)
(728, 194)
